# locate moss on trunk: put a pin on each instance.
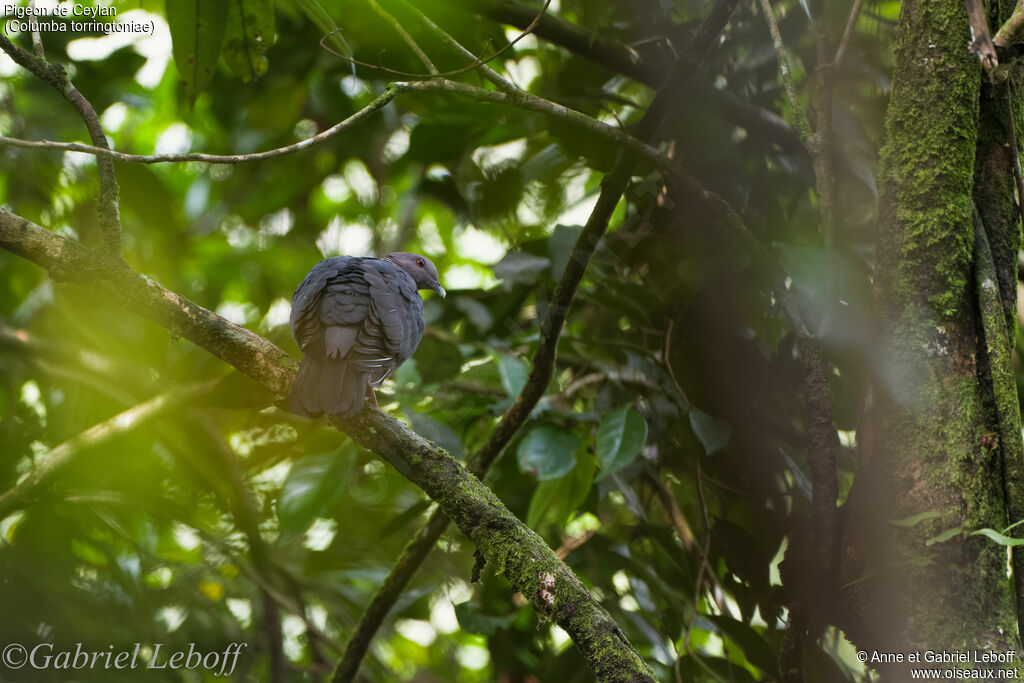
(936, 430)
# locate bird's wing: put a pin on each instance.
(306, 323)
(343, 309)
(393, 323)
(365, 311)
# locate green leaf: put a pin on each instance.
(436, 431)
(519, 267)
(560, 246)
(197, 32)
(475, 312)
(319, 16)
(250, 31)
(557, 499)
(620, 438)
(998, 537)
(408, 374)
(542, 500)
(757, 651)
(438, 359)
(513, 372)
(547, 451)
(713, 433)
(1014, 525)
(499, 192)
(313, 484)
(915, 519)
(472, 621)
(950, 533)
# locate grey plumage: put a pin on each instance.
(356, 320)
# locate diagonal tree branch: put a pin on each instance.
(598, 48)
(1008, 31)
(69, 261)
(844, 42)
(803, 126)
(503, 540)
(612, 188)
(621, 58)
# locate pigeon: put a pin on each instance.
(356, 320)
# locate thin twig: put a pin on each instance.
(258, 577)
(108, 210)
(526, 101)
(851, 24)
(623, 59)
(340, 127)
(584, 41)
(400, 30)
(571, 543)
(626, 376)
(387, 595)
(699, 584)
(803, 126)
(706, 516)
(37, 39)
(478, 61)
(668, 361)
(520, 100)
(668, 501)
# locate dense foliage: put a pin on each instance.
(667, 461)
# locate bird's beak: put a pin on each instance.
(438, 288)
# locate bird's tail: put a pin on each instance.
(327, 386)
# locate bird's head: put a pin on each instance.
(419, 268)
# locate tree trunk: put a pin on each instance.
(942, 433)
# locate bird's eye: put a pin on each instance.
(420, 262)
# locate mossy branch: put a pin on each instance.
(997, 348)
(803, 125)
(1009, 30)
(506, 543)
(612, 188)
